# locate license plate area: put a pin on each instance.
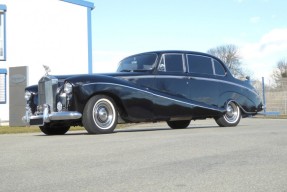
(37, 121)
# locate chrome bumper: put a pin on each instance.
(47, 117)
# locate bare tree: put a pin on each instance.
(280, 72)
(229, 54)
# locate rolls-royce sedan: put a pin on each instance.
(171, 86)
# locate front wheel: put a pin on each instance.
(178, 124)
(232, 116)
(100, 115)
(54, 129)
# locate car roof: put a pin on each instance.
(182, 52)
(179, 51)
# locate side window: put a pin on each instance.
(2, 32)
(200, 64)
(218, 68)
(171, 63)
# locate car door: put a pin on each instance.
(203, 85)
(171, 85)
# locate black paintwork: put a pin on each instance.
(153, 95)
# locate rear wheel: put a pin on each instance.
(100, 115)
(54, 129)
(232, 116)
(178, 124)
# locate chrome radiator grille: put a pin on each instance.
(47, 90)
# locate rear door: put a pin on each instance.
(203, 85)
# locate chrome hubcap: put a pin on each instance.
(232, 113)
(104, 114)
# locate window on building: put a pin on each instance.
(2, 32)
(3, 73)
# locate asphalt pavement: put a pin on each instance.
(150, 157)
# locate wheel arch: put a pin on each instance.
(245, 104)
(120, 107)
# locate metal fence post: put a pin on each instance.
(285, 95)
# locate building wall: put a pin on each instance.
(45, 32)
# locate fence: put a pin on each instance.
(274, 95)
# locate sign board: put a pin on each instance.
(17, 83)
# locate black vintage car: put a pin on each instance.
(171, 86)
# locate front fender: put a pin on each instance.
(133, 100)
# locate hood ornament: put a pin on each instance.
(47, 69)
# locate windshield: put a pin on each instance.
(142, 62)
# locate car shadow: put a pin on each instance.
(69, 133)
(138, 130)
(159, 129)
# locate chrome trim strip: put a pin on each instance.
(183, 102)
(192, 77)
(227, 82)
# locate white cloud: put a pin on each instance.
(276, 40)
(270, 43)
(262, 56)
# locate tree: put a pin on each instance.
(229, 54)
(280, 72)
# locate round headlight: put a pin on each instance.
(28, 95)
(68, 88)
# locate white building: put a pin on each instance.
(34, 33)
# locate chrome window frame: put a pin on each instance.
(213, 70)
(184, 67)
(213, 64)
(153, 65)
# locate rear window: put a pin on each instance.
(218, 68)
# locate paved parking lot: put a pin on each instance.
(150, 157)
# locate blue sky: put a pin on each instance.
(257, 27)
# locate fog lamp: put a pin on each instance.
(59, 106)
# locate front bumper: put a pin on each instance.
(46, 117)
